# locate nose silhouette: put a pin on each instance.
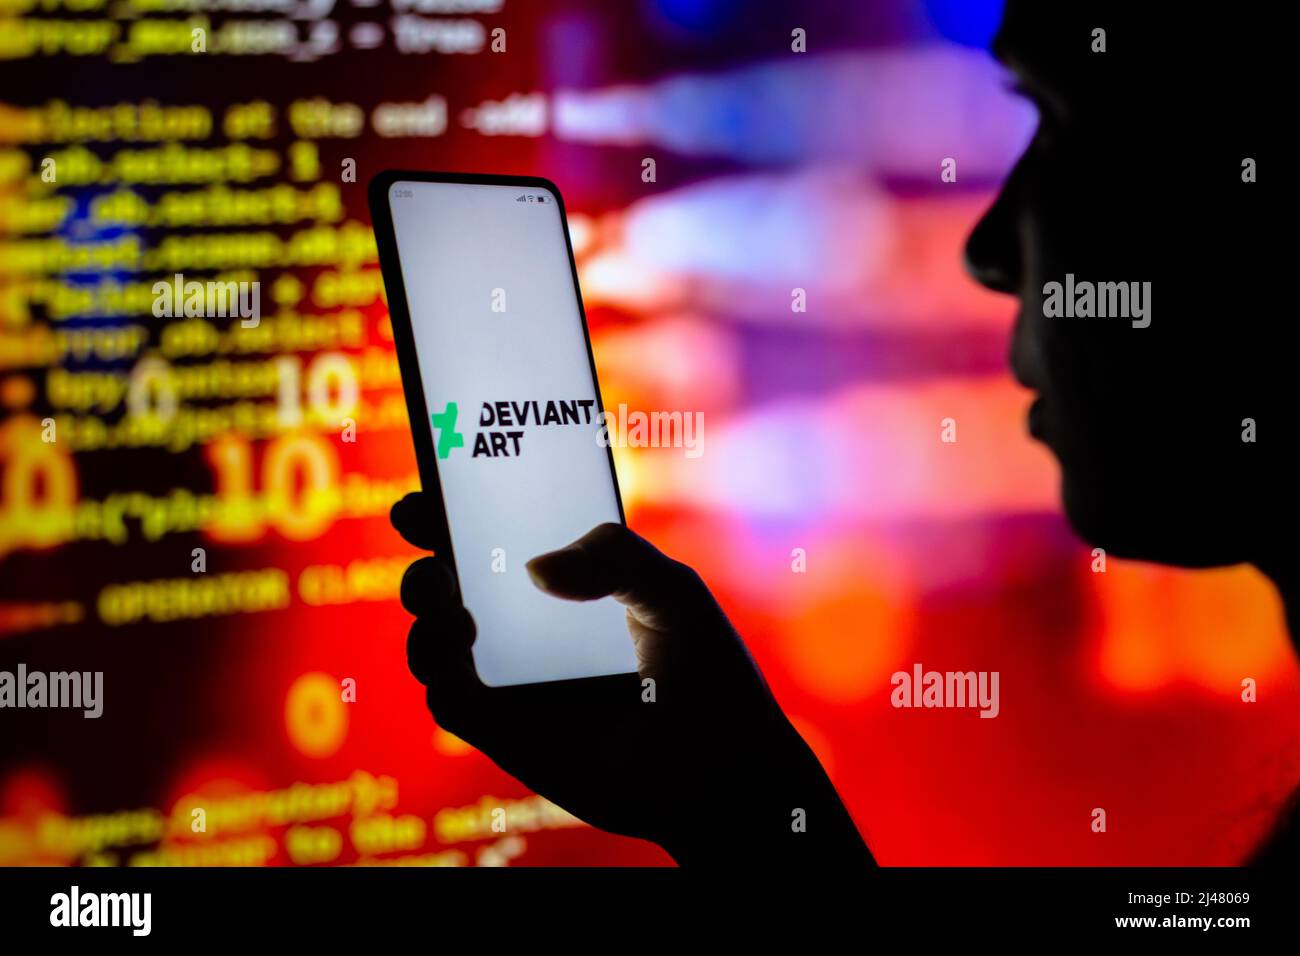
(993, 259)
(992, 253)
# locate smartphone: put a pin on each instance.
(505, 410)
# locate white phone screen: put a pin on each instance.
(509, 388)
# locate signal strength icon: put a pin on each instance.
(522, 199)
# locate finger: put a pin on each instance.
(439, 656)
(436, 645)
(611, 559)
(413, 517)
(428, 588)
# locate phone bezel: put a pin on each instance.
(413, 384)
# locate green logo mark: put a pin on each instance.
(445, 423)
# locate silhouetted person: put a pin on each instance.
(1134, 176)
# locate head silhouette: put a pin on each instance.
(1132, 194)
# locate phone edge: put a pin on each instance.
(408, 364)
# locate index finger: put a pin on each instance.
(413, 518)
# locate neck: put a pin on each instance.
(1285, 576)
(1282, 847)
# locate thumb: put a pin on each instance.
(611, 559)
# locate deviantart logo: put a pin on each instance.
(445, 423)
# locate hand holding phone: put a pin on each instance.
(692, 752)
(601, 673)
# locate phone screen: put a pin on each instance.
(513, 416)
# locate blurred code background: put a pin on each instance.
(775, 171)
